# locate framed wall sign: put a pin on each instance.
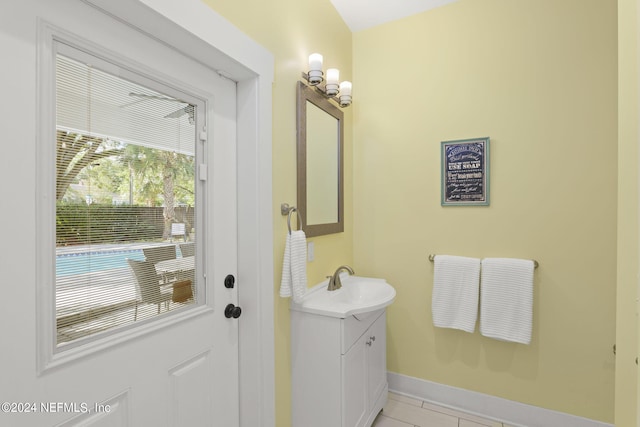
(465, 172)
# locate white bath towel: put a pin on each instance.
(294, 266)
(455, 292)
(506, 299)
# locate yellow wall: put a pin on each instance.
(628, 112)
(291, 30)
(540, 79)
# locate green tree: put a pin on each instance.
(107, 179)
(161, 176)
(74, 152)
(149, 176)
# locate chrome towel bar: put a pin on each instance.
(432, 257)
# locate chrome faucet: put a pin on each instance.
(334, 281)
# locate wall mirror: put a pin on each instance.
(320, 163)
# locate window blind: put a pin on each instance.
(125, 198)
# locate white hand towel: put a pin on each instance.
(285, 282)
(298, 264)
(294, 266)
(506, 299)
(456, 281)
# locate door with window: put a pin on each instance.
(137, 321)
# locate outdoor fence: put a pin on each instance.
(81, 224)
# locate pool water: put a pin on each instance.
(91, 262)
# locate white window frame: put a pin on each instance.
(54, 40)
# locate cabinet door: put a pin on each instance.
(354, 380)
(377, 357)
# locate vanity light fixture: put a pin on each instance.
(339, 92)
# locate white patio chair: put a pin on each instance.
(155, 254)
(148, 287)
(179, 229)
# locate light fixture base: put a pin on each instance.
(332, 89)
(314, 77)
(345, 101)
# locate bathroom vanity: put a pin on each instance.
(338, 354)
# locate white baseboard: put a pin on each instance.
(483, 405)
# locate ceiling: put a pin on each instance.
(363, 14)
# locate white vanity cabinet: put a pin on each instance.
(339, 370)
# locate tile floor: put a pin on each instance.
(402, 411)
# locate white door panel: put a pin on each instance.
(113, 412)
(172, 372)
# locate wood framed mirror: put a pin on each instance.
(320, 158)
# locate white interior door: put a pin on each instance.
(176, 370)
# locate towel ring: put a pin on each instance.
(293, 209)
(285, 209)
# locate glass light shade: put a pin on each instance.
(315, 62)
(315, 69)
(345, 88)
(333, 75)
(345, 94)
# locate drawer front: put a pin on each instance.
(354, 326)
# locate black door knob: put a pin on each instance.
(232, 311)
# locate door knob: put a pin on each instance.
(232, 311)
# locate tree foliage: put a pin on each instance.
(106, 171)
(74, 152)
(164, 173)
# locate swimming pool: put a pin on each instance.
(91, 262)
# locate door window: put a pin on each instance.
(127, 198)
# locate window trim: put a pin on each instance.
(49, 355)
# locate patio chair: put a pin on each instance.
(155, 254)
(179, 229)
(148, 287)
(188, 249)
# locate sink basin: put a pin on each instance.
(357, 295)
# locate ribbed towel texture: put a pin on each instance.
(506, 299)
(294, 266)
(456, 281)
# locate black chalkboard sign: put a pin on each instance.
(465, 172)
